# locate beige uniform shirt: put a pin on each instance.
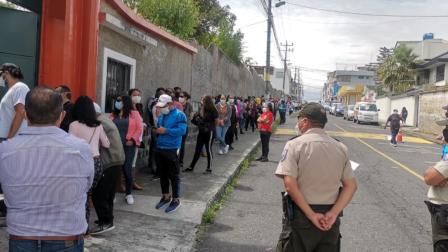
(439, 195)
(320, 164)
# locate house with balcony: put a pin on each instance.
(433, 72)
(350, 86)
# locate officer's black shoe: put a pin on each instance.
(259, 159)
(264, 159)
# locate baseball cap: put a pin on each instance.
(315, 112)
(163, 100)
(97, 108)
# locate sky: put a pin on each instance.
(325, 41)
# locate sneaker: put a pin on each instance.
(174, 205)
(189, 169)
(226, 149)
(208, 171)
(100, 229)
(220, 152)
(259, 159)
(129, 199)
(231, 148)
(264, 160)
(395, 145)
(163, 202)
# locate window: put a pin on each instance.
(440, 74)
(368, 107)
(344, 78)
(117, 81)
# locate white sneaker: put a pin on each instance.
(129, 199)
(226, 149)
(220, 152)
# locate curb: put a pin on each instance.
(414, 134)
(238, 166)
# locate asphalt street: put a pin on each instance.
(386, 214)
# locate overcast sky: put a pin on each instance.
(330, 41)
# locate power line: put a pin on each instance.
(366, 14)
(252, 24)
(353, 23)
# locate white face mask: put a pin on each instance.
(231, 100)
(181, 99)
(2, 82)
(296, 128)
(136, 99)
(165, 110)
(223, 102)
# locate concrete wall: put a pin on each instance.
(388, 104)
(430, 111)
(384, 105)
(162, 64)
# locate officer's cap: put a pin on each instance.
(315, 112)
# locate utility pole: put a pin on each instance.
(267, 75)
(285, 61)
(267, 70)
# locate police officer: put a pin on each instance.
(313, 167)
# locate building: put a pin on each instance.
(433, 72)
(348, 87)
(428, 48)
(276, 77)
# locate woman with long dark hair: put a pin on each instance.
(130, 125)
(265, 127)
(206, 120)
(86, 126)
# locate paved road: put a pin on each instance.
(387, 213)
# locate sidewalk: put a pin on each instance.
(415, 132)
(141, 227)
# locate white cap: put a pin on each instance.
(163, 100)
(97, 108)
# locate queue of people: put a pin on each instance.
(89, 153)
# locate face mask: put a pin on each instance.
(136, 99)
(181, 99)
(231, 100)
(119, 105)
(296, 129)
(265, 110)
(165, 110)
(223, 102)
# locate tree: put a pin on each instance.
(180, 17)
(396, 70)
(133, 4)
(384, 53)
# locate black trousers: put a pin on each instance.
(282, 117)
(265, 137)
(182, 149)
(151, 160)
(203, 139)
(103, 195)
(230, 134)
(168, 167)
(250, 120)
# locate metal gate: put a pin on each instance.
(19, 42)
(117, 81)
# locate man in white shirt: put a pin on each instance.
(12, 105)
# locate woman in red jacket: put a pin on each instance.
(265, 127)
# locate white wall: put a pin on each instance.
(383, 104)
(410, 104)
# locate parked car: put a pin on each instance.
(339, 110)
(333, 108)
(365, 113)
(349, 112)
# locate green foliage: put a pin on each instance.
(179, 17)
(7, 5)
(396, 71)
(204, 20)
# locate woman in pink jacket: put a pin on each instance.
(130, 125)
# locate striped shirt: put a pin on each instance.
(45, 175)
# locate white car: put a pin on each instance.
(365, 113)
(349, 112)
(334, 107)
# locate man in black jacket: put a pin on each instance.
(395, 121)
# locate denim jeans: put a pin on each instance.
(129, 153)
(394, 133)
(46, 246)
(221, 136)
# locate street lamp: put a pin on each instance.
(280, 4)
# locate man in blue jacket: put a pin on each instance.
(171, 126)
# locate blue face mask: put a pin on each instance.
(119, 105)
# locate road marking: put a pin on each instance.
(404, 167)
(362, 135)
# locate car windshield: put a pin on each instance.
(351, 107)
(368, 107)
